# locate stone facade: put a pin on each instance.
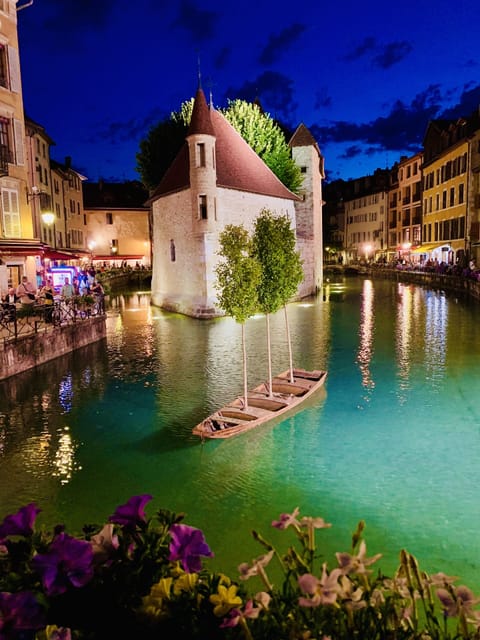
(216, 180)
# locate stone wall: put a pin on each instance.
(37, 348)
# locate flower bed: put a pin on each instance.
(144, 577)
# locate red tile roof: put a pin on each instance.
(303, 138)
(238, 166)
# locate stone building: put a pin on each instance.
(215, 180)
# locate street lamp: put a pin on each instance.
(368, 248)
(48, 219)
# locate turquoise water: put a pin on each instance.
(394, 438)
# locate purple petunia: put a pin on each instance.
(187, 545)
(131, 513)
(19, 612)
(69, 562)
(20, 523)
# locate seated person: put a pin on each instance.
(26, 292)
(9, 304)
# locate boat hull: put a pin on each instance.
(262, 406)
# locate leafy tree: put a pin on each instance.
(238, 277)
(274, 247)
(164, 140)
(158, 150)
(267, 139)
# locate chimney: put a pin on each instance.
(68, 162)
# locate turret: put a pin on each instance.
(203, 176)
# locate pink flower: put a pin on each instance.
(358, 563)
(323, 591)
(287, 520)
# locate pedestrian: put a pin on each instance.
(67, 290)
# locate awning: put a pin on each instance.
(20, 247)
(117, 258)
(51, 254)
(426, 248)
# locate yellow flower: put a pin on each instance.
(153, 605)
(185, 582)
(225, 599)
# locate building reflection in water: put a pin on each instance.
(367, 324)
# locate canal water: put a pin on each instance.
(393, 439)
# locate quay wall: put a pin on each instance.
(430, 280)
(35, 349)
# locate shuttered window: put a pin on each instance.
(18, 136)
(10, 213)
(14, 66)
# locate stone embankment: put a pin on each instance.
(430, 279)
(35, 342)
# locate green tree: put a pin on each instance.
(158, 150)
(164, 140)
(274, 247)
(238, 278)
(162, 143)
(267, 139)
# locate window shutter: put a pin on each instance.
(14, 67)
(18, 135)
(11, 214)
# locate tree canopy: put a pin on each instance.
(238, 274)
(165, 139)
(274, 247)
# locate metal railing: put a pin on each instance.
(19, 321)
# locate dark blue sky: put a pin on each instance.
(366, 78)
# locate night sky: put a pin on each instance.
(365, 78)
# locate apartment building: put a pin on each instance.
(19, 244)
(68, 207)
(446, 224)
(473, 198)
(405, 208)
(366, 206)
(118, 223)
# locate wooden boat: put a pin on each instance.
(262, 406)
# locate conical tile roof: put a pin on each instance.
(237, 165)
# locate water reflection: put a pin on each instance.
(365, 350)
(393, 439)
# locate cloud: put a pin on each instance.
(403, 128)
(278, 44)
(71, 15)
(222, 58)
(273, 90)
(322, 99)
(199, 23)
(366, 46)
(127, 130)
(386, 55)
(391, 54)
